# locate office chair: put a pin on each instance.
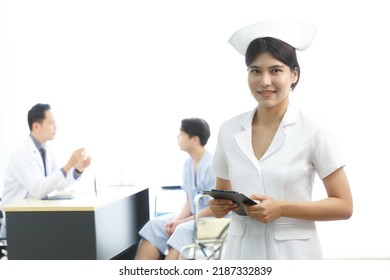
(3, 249)
(209, 236)
(3, 242)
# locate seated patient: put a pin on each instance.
(165, 235)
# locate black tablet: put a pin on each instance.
(234, 196)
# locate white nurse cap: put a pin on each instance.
(296, 34)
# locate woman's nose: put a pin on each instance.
(265, 80)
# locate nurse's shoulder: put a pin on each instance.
(238, 122)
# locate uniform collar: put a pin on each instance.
(244, 138)
(290, 117)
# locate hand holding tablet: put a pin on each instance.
(238, 198)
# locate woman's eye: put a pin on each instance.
(276, 71)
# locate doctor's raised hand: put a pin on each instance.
(79, 160)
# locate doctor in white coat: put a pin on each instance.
(274, 152)
(32, 174)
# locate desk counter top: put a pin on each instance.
(80, 201)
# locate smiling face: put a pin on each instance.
(270, 80)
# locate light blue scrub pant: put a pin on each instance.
(154, 232)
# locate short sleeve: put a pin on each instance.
(327, 157)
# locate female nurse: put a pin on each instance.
(274, 152)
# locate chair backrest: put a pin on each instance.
(169, 199)
(209, 227)
(1, 215)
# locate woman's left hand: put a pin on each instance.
(266, 211)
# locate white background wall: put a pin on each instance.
(120, 76)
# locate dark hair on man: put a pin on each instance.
(37, 114)
(196, 127)
(279, 49)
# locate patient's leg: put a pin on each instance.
(147, 251)
(172, 254)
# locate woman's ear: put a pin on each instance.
(294, 75)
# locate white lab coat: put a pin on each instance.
(302, 147)
(25, 176)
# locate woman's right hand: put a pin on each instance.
(222, 207)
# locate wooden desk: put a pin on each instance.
(83, 228)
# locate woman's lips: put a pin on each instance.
(266, 93)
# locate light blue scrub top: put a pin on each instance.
(195, 183)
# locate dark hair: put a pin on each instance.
(279, 49)
(37, 114)
(196, 127)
